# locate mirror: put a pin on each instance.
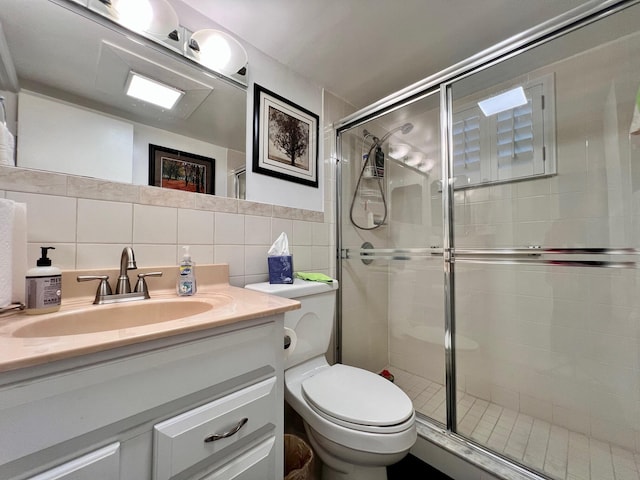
(73, 115)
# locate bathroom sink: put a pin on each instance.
(113, 317)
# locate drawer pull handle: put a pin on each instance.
(233, 431)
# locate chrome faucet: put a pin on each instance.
(127, 262)
(123, 293)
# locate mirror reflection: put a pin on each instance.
(70, 111)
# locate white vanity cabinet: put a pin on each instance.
(103, 464)
(203, 405)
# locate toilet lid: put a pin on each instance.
(357, 396)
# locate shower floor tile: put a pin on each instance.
(551, 449)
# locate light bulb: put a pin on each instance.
(136, 15)
(218, 51)
(215, 52)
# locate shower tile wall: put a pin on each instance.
(559, 344)
(364, 287)
(364, 314)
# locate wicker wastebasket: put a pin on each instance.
(298, 458)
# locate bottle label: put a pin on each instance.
(43, 292)
(186, 287)
(185, 270)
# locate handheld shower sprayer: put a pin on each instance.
(404, 129)
(378, 166)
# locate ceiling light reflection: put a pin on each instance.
(155, 17)
(504, 101)
(218, 51)
(398, 150)
(414, 159)
(152, 91)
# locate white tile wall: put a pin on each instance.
(157, 233)
(91, 232)
(50, 218)
(91, 255)
(229, 229)
(152, 225)
(280, 225)
(104, 222)
(195, 227)
(257, 230)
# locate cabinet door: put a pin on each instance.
(258, 462)
(103, 464)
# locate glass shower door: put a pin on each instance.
(546, 181)
(391, 277)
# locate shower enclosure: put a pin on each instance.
(489, 232)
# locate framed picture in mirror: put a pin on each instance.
(285, 138)
(169, 168)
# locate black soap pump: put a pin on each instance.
(43, 287)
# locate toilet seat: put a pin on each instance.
(357, 399)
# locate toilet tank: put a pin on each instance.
(309, 327)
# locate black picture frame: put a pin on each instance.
(170, 168)
(285, 138)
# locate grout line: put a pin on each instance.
(551, 449)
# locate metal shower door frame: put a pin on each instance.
(443, 81)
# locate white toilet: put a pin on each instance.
(357, 421)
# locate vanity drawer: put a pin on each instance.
(192, 437)
(257, 462)
(103, 464)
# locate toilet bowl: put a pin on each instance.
(356, 421)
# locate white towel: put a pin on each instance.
(7, 209)
(7, 146)
(19, 247)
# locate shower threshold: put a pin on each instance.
(552, 450)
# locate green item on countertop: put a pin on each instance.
(314, 277)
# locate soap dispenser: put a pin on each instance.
(186, 283)
(43, 287)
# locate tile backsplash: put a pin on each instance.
(89, 221)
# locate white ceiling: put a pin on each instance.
(364, 50)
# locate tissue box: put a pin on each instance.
(280, 268)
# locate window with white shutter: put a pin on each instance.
(468, 145)
(510, 145)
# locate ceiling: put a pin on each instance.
(364, 50)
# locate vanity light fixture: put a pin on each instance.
(218, 51)
(154, 17)
(504, 101)
(152, 91)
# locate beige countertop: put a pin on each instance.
(229, 305)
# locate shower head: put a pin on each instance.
(404, 129)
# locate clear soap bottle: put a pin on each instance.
(186, 283)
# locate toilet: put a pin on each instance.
(357, 422)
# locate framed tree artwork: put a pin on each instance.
(169, 168)
(285, 139)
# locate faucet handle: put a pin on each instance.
(104, 288)
(141, 284)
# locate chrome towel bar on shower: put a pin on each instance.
(533, 255)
